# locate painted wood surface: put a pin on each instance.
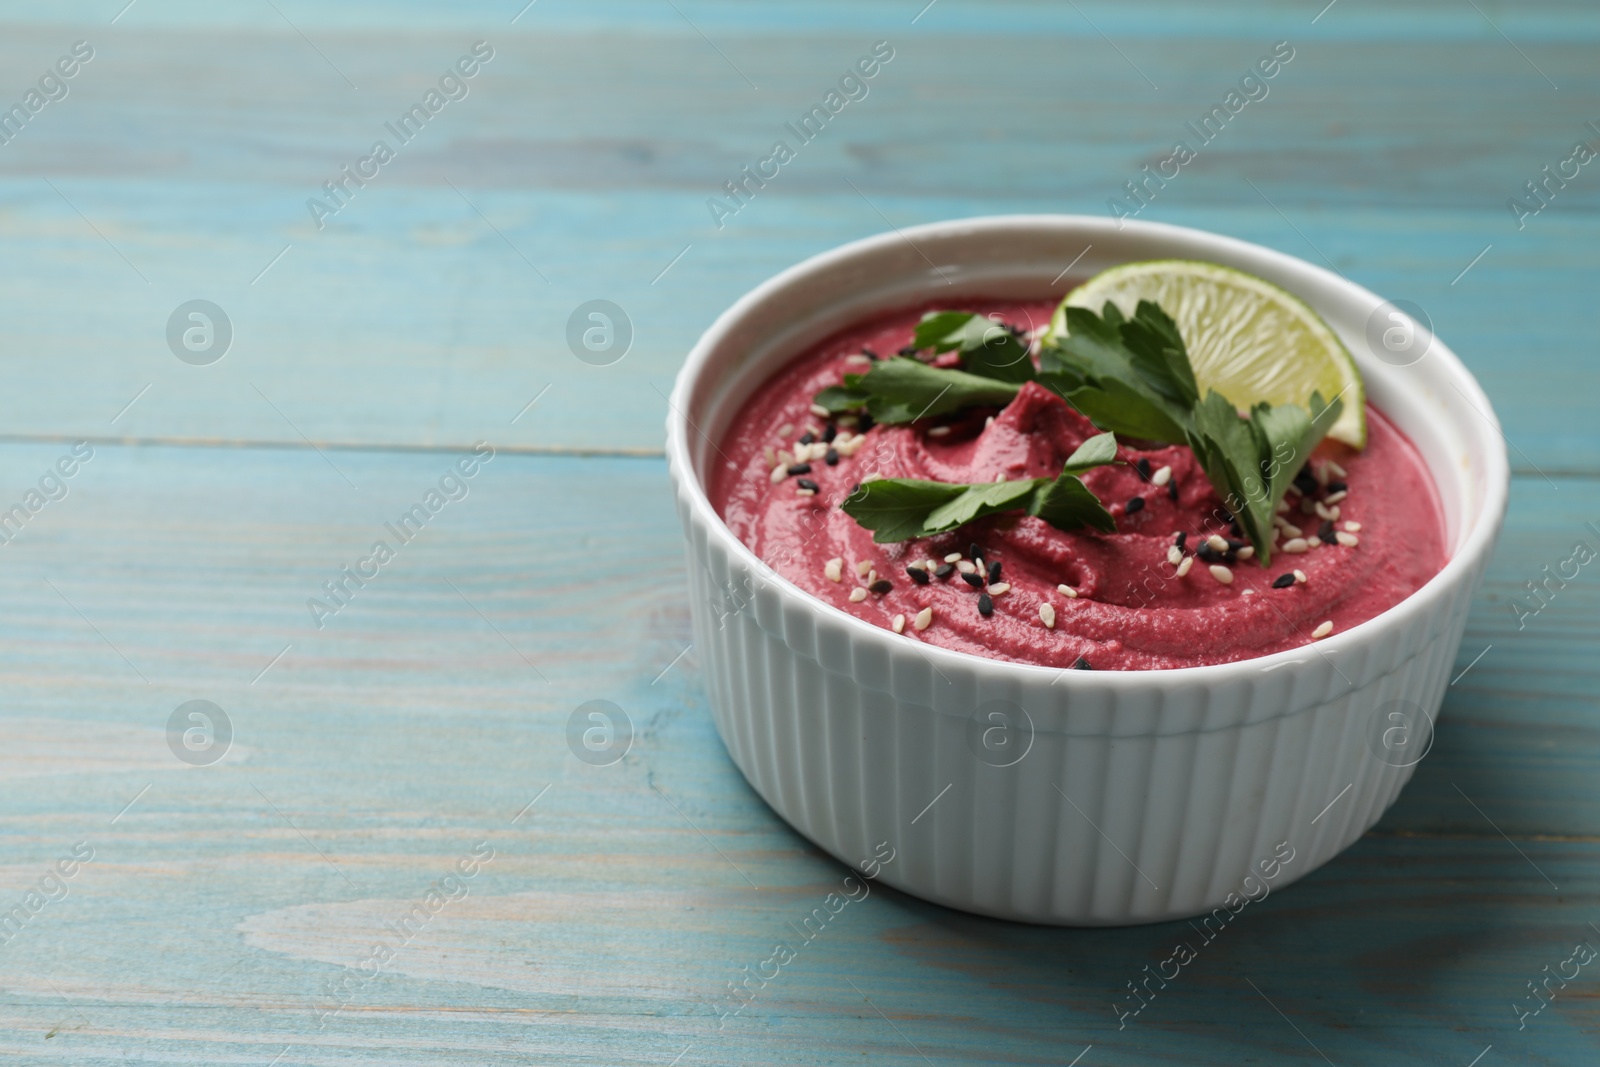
(228, 909)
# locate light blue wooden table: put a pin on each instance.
(228, 911)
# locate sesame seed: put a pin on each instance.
(831, 457)
(951, 557)
(1135, 505)
(1300, 576)
(1290, 528)
(857, 595)
(1143, 466)
(994, 572)
(807, 483)
(770, 456)
(917, 574)
(1172, 492)
(830, 432)
(965, 567)
(786, 429)
(1283, 505)
(1335, 468)
(806, 438)
(924, 619)
(899, 624)
(1334, 498)
(985, 605)
(974, 551)
(1353, 527)
(1221, 574)
(1245, 552)
(779, 473)
(880, 587)
(1337, 487)
(1183, 568)
(1161, 477)
(800, 468)
(872, 576)
(999, 588)
(1323, 630)
(1320, 473)
(1181, 538)
(944, 570)
(1218, 543)
(974, 580)
(857, 359)
(1283, 581)
(1082, 665)
(832, 569)
(1325, 533)
(1174, 555)
(1248, 592)
(1295, 545)
(785, 457)
(863, 567)
(1047, 615)
(988, 422)
(1323, 511)
(1067, 591)
(1348, 540)
(803, 491)
(819, 411)
(938, 431)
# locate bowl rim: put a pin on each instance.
(1477, 540)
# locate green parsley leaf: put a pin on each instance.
(988, 349)
(900, 509)
(897, 391)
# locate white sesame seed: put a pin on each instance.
(872, 576)
(899, 624)
(1319, 471)
(1290, 528)
(785, 457)
(1067, 591)
(786, 429)
(1300, 576)
(852, 447)
(1335, 468)
(1325, 512)
(871, 476)
(951, 557)
(857, 595)
(1353, 527)
(938, 431)
(1218, 543)
(930, 564)
(1249, 592)
(1323, 630)
(988, 422)
(857, 359)
(1221, 574)
(832, 569)
(1161, 477)
(863, 567)
(1183, 568)
(1334, 498)
(1295, 545)
(1348, 540)
(1047, 615)
(805, 492)
(1283, 506)
(1174, 555)
(965, 567)
(998, 478)
(769, 455)
(915, 565)
(924, 619)
(779, 473)
(819, 411)
(1307, 505)
(999, 588)
(1246, 552)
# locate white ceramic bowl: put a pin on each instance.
(1129, 796)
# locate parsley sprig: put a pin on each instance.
(1129, 376)
(899, 509)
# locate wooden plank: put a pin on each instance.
(419, 315)
(379, 750)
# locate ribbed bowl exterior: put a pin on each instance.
(1131, 805)
(1114, 797)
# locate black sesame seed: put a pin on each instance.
(1183, 537)
(1172, 491)
(799, 468)
(807, 437)
(881, 586)
(1325, 533)
(1135, 505)
(829, 432)
(1233, 528)
(944, 570)
(1082, 665)
(1206, 554)
(974, 551)
(807, 483)
(1305, 481)
(1283, 581)
(864, 423)
(918, 575)
(985, 605)
(870, 354)
(832, 457)
(975, 580)
(994, 572)
(1337, 487)
(1233, 545)
(1144, 468)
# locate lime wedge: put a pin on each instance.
(1247, 339)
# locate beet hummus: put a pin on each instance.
(1360, 532)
